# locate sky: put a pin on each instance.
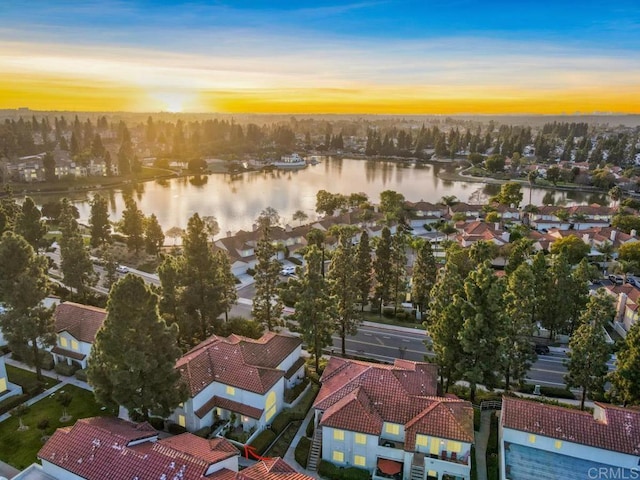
(359, 57)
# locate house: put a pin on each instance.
(76, 327)
(7, 389)
(470, 212)
(265, 469)
(627, 303)
(238, 379)
(105, 447)
(547, 217)
(475, 231)
(421, 213)
(537, 441)
(390, 420)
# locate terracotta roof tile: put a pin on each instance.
(271, 469)
(354, 412)
(81, 321)
(211, 451)
(444, 418)
(609, 427)
(237, 361)
(68, 353)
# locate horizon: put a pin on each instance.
(322, 58)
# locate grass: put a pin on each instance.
(27, 379)
(19, 449)
(377, 318)
(281, 445)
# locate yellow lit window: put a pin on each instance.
(454, 446)
(422, 440)
(231, 390)
(338, 434)
(63, 342)
(338, 456)
(182, 421)
(181, 404)
(558, 444)
(532, 438)
(359, 461)
(74, 345)
(435, 447)
(392, 428)
(3, 384)
(270, 406)
(361, 438)
(433, 473)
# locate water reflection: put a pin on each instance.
(236, 200)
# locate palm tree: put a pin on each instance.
(606, 249)
(616, 194)
(449, 201)
(447, 229)
(532, 177)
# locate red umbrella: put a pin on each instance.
(389, 466)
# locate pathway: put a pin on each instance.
(289, 456)
(482, 438)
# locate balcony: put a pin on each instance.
(385, 442)
(453, 457)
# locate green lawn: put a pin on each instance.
(20, 448)
(377, 318)
(25, 378)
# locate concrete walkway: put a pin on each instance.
(482, 439)
(290, 457)
(50, 374)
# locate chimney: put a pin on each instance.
(287, 228)
(613, 234)
(496, 226)
(254, 227)
(633, 233)
(586, 239)
(228, 233)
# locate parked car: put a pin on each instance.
(122, 269)
(288, 270)
(541, 349)
(617, 279)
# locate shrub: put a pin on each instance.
(251, 271)
(387, 312)
(310, 428)
(81, 375)
(326, 469)
(302, 451)
(281, 421)
(12, 402)
(263, 441)
(204, 432)
(553, 392)
(295, 260)
(427, 227)
(175, 429)
(63, 368)
(156, 422)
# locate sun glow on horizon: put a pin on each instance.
(174, 101)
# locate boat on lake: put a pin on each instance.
(290, 161)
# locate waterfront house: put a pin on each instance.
(537, 441)
(238, 379)
(421, 213)
(76, 328)
(391, 421)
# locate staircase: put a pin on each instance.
(417, 472)
(315, 450)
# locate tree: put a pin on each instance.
(626, 222)
(212, 226)
(300, 216)
(170, 304)
(314, 307)
(382, 267)
(482, 313)
(363, 270)
(64, 399)
(447, 229)
(553, 174)
(26, 324)
(133, 224)
(227, 281)
(49, 165)
(630, 252)
(327, 203)
(588, 350)
(99, 221)
(495, 163)
(29, 224)
(572, 246)
(449, 201)
(202, 289)
(20, 411)
(392, 205)
(153, 236)
(444, 323)
(175, 232)
(520, 250)
(510, 194)
(343, 289)
(134, 355)
(425, 273)
(516, 352)
(606, 249)
(625, 379)
(267, 219)
(398, 269)
(532, 177)
(76, 266)
(616, 194)
(267, 306)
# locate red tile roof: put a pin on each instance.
(99, 448)
(68, 353)
(237, 361)
(81, 321)
(609, 427)
(271, 469)
(361, 396)
(227, 404)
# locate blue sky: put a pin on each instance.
(564, 46)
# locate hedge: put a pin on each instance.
(329, 470)
(554, 392)
(156, 422)
(204, 432)
(176, 429)
(302, 451)
(310, 428)
(263, 440)
(281, 421)
(12, 402)
(63, 368)
(81, 375)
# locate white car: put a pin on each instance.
(122, 269)
(288, 270)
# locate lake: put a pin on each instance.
(236, 200)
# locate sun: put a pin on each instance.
(172, 102)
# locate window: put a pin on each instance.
(359, 461)
(422, 440)
(532, 438)
(231, 390)
(435, 447)
(361, 438)
(3, 384)
(181, 404)
(182, 421)
(338, 434)
(63, 342)
(338, 456)
(270, 406)
(74, 345)
(558, 444)
(392, 428)
(454, 446)
(433, 473)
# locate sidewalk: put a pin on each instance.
(50, 374)
(481, 440)
(289, 456)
